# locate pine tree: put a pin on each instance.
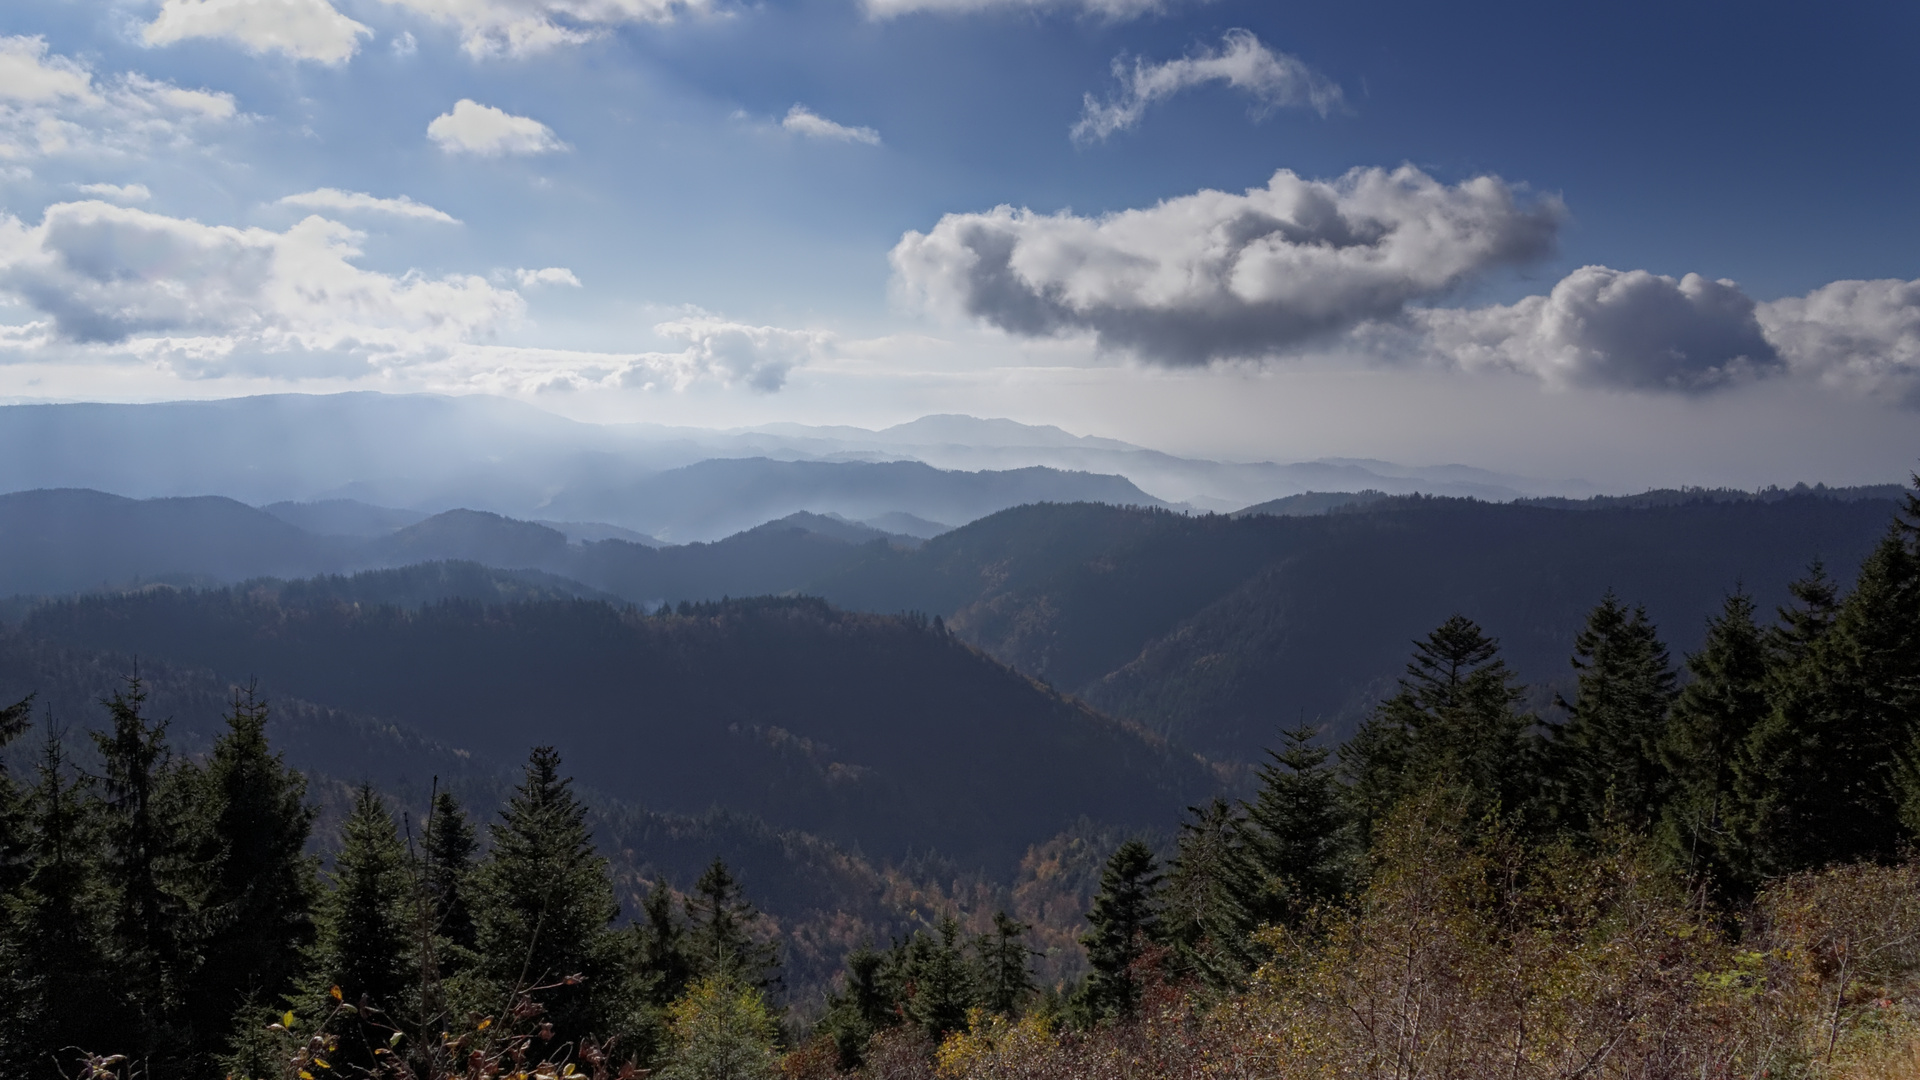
(1454, 722)
(1125, 922)
(1609, 746)
(545, 907)
(149, 837)
(1297, 835)
(942, 986)
(61, 989)
(366, 940)
(1004, 962)
(1701, 826)
(1822, 774)
(720, 936)
(260, 888)
(1207, 919)
(448, 867)
(662, 964)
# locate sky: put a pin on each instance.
(1636, 243)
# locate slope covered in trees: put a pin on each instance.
(878, 731)
(1219, 631)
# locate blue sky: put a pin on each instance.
(701, 211)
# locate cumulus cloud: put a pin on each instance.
(804, 121)
(125, 193)
(207, 299)
(473, 128)
(1107, 9)
(522, 27)
(729, 353)
(1216, 275)
(1274, 80)
(340, 201)
(303, 29)
(1624, 329)
(1861, 335)
(53, 106)
(552, 275)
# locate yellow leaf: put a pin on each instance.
(336, 994)
(485, 1024)
(305, 1075)
(288, 1018)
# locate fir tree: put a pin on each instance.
(1454, 722)
(1822, 774)
(13, 840)
(722, 1030)
(1206, 913)
(720, 936)
(545, 907)
(1609, 746)
(1125, 921)
(1005, 966)
(257, 911)
(661, 961)
(941, 986)
(447, 867)
(1297, 836)
(367, 928)
(1700, 827)
(148, 841)
(61, 988)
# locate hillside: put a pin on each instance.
(877, 732)
(1217, 631)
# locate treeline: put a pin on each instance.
(163, 918)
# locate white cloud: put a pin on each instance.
(1861, 335)
(210, 299)
(52, 106)
(482, 129)
(552, 275)
(1274, 80)
(1107, 9)
(1214, 275)
(126, 193)
(729, 353)
(523, 27)
(1623, 329)
(303, 29)
(804, 121)
(349, 201)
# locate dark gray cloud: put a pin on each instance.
(1215, 275)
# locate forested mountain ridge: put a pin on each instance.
(880, 732)
(1218, 631)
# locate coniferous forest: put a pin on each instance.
(1694, 865)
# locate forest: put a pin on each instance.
(1699, 868)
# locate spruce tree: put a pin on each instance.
(661, 960)
(866, 1003)
(257, 910)
(1608, 748)
(545, 907)
(942, 984)
(1822, 775)
(1454, 722)
(448, 849)
(366, 930)
(1297, 836)
(1701, 825)
(149, 837)
(13, 840)
(720, 937)
(1124, 923)
(1206, 908)
(1004, 962)
(61, 989)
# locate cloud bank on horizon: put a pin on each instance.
(538, 196)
